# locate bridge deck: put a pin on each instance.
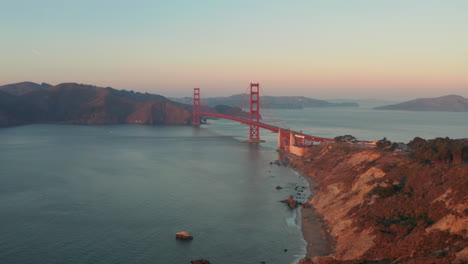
(274, 129)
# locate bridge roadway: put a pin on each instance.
(273, 129)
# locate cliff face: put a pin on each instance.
(72, 103)
(387, 207)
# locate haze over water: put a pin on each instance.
(118, 194)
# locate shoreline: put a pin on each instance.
(372, 202)
(313, 227)
(314, 230)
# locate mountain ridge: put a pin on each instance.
(23, 87)
(73, 103)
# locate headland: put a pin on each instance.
(388, 204)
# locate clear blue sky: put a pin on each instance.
(326, 48)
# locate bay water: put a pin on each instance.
(118, 194)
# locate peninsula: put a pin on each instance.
(448, 103)
(72, 103)
(390, 204)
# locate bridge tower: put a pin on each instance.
(254, 136)
(196, 107)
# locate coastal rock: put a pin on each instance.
(183, 236)
(306, 261)
(291, 202)
(279, 163)
(200, 261)
(321, 260)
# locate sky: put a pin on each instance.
(389, 49)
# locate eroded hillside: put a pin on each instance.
(379, 205)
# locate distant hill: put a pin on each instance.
(72, 103)
(365, 102)
(291, 102)
(23, 87)
(137, 96)
(449, 103)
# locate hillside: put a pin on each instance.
(23, 87)
(365, 102)
(382, 206)
(449, 103)
(72, 103)
(7, 102)
(291, 102)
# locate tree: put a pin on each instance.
(383, 143)
(345, 138)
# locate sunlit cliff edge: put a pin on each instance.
(383, 206)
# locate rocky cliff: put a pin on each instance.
(380, 206)
(72, 103)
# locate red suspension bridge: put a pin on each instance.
(288, 140)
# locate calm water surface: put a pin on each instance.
(118, 194)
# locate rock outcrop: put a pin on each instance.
(200, 261)
(391, 207)
(291, 202)
(183, 236)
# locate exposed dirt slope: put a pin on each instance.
(384, 207)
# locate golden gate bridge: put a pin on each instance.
(288, 140)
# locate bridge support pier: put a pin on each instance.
(294, 147)
(280, 140)
(292, 140)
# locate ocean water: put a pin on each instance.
(363, 123)
(118, 194)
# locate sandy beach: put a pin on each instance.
(313, 227)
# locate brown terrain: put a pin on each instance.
(385, 205)
(450, 103)
(23, 87)
(72, 103)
